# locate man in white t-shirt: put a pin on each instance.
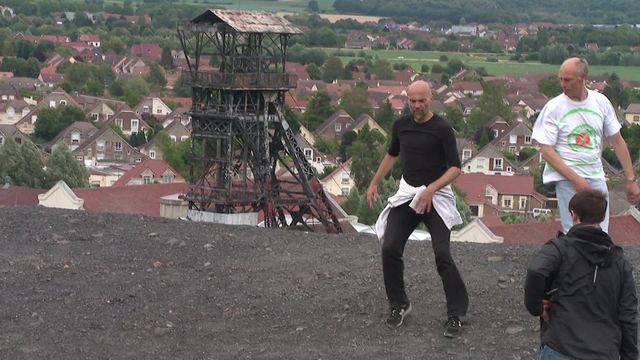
(571, 130)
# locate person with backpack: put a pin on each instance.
(582, 287)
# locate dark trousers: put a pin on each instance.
(401, 222)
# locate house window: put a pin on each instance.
(507, 202)
(345, 191)
(523, 202)
(134, 125)
(18, 140)
(145, 109)
(636, 118)
(117, 146)
(184, 138)
(318, 159)
(138, 160)
(117, 156)
(146, 179)
(79, 157)
(474, 210)
(159, 111)
(509, 168)
(75, 138)
(494, 132)
(513, 139)
(497, 164)
(345, 177)
(94, 116)
(480, 163)
(63, 102)
(308, 153)
(52, 103)
(119, 123)
(338, 127)
(527, 139)
(168, 178)
(173, 138)
(512, 149)
(466, 154)
(100, 147)
(152, 154)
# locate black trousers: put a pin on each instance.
(402, 221)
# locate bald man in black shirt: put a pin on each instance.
(426, 145)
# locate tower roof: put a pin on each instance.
(247, 21)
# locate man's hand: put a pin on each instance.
(372, 194)
(424, 201)
(581, 184)
(633, 192)
(546, 305)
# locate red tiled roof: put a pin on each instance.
(19, 196)
(622, 229)
(158, 167)
(138, 199)
(474, 185)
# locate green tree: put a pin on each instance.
(318, 110)
(382, 69)
(313, 6)
(366, 153)
(314, 71)
(21, 163)
(332, 69)
(327, 145)
(156, 77)
(385, 116)
(53, 120)
(550, 86)
(166, 60)
(63, 166)
(355, 102)
(176, 154)
(134, 91)
(615, 92)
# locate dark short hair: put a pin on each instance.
(589, 205)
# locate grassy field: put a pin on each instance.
(504, 66)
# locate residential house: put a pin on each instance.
(181, 115)
(101, 113)
(314, 157)
(339, 182)
(128, 121)
(56, 98)
(175, 131)
(466, 149)
(490, 161)
(10, 131)
(150, 171)
(468, 88)
(632, 114)
(152, 106)
(496, 127)
(8, 92)
(298, 70)
(91, 40)
(149, 52)
(107, 147)
(357, 39)
(25, 83)
(13, 110)
(366, 120)
(335, 126)
(492, 195)
(105, 176)
(515, 138)
(72, 136)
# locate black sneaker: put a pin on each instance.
(452, 327)
(398, 313)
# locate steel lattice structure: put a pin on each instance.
(239, 132)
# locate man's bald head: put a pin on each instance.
(576, 65)
(419, 94)
(419, 87)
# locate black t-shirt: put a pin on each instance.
(426, 150)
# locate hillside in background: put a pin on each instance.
(79, 285)
(503, 11)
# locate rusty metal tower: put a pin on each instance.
(239, 134)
